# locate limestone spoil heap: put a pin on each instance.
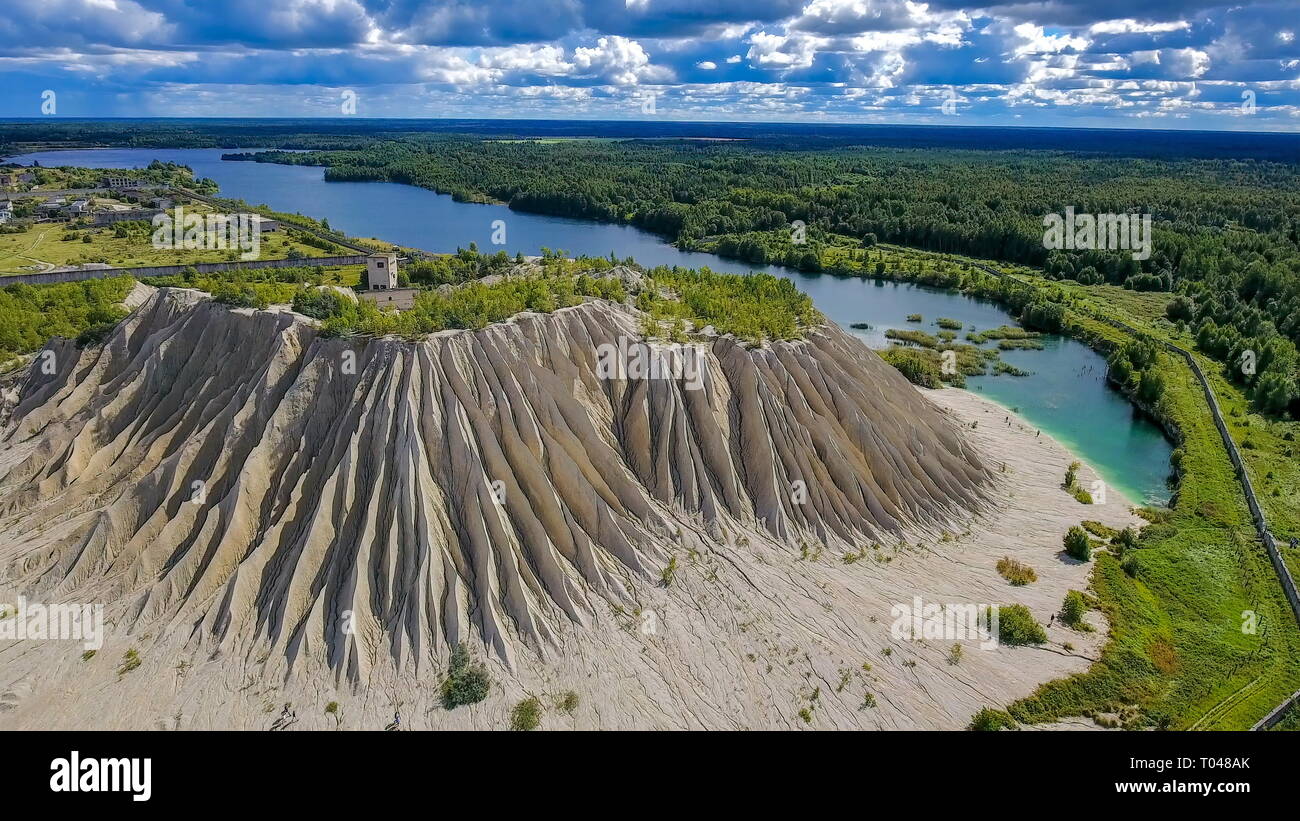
(235, 478)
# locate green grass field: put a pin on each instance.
(43, 245)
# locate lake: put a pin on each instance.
(1065, 395)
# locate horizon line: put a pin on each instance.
(631, 120)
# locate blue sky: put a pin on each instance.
(1159, 63)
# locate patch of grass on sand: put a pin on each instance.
(1016, 572)
(527, 714)
(130, 661)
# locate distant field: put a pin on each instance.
(47, 245)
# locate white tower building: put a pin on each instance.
(381, 272)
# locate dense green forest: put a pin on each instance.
(31, 314)
(1225, 238)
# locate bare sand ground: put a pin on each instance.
(751, 634)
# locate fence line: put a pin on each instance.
(1277, 713)
(77, 192)
(81, 274)
(328, 236)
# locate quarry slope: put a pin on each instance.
(287, 513)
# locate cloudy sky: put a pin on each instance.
(1118, 63)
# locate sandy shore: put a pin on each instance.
(751, 634)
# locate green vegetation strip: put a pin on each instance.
(30, 315)
(754, 308)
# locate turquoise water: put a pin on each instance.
(1065, 395)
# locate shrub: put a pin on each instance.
(1072, 476)
(320, 303)
(130, 661)
(1077, 544)
(96, 333)
(1072, 610)
(1151, 386)
(31, 314)
(1160, 719)
(1016, 625)
(669, 572)
(526, 715)
(1100, 530)
(568, 702)
(1044, 316)
(240, 296)
(1129, 564)
(1180, 308)
(919, 368)
(467, 681)
(989, 720)
(1125, 540)
(1016, 572)
(1155, 515)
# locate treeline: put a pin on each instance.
(1134, 367)
(979, 203)
(156, 173)
(1225, 233)
(466, 264)
(754, 307)
(750, 307)
(31, 314)
(251, 288)
(471, 306)
(351, 133)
